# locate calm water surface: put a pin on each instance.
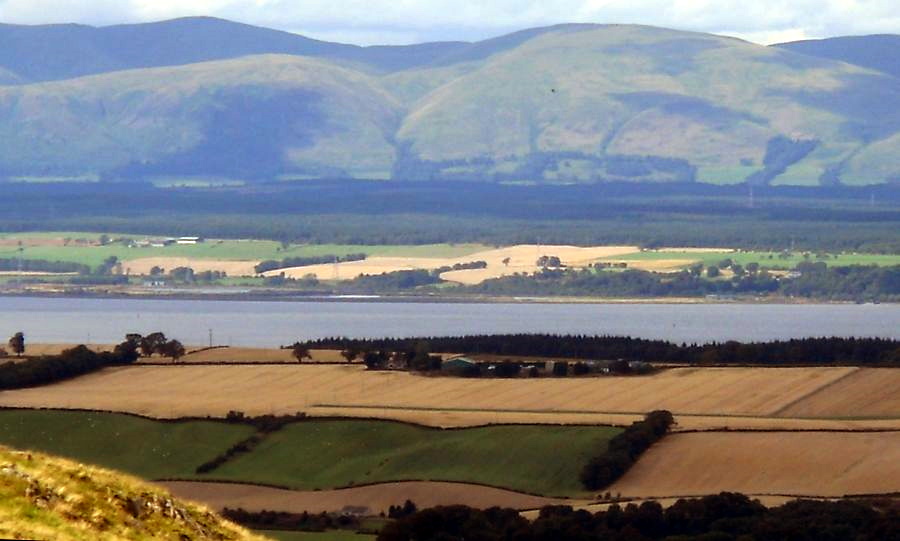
(255, 323)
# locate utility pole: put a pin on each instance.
(210, 338)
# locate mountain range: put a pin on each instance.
(209, 98)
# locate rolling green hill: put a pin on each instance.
(564, 104)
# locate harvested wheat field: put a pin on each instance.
(735, 397)
(257, 355)
(519, 259)
(143, 265)
(777, 463)
(375, 498)
(872, 392)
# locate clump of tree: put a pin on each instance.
(157, 344)
(70, 363)
(401, 511)
(471, 265)
(624, 450)
(549, 261)
(300, 352)
(187, 275)
(285, 521)
(390, 281)
(289, 262)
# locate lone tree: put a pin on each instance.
(17, 344)
(300, 352)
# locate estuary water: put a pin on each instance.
(273, 323)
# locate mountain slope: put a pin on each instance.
(42, 497)
(569, 103)
(248, 117)
(582, 104)
(877, 52)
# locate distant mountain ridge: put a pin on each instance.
(879, 52)
(208, 98)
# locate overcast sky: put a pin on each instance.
(369, 22)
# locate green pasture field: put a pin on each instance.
(335, 535)
(141, 447)
(771, 260)
(238, 250)
(318, 454)
(330, 454)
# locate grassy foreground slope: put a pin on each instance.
(148, 449)
(324, 454)
(42, 497)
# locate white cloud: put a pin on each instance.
(405, 21)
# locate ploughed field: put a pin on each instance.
(701, 398)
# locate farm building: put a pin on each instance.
(458, 365)
(189, 240)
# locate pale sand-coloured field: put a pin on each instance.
(142, 266)
(872, 392)
(522, 259)
(700, 397)
(375, 498)
(778, 463)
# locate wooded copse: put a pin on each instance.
(80, 360)
(802, 351)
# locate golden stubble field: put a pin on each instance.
(825, 464)
(501, 262)
(701, 398)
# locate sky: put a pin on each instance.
(396, 22)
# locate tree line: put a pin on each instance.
(722, 517)
(70, 363)
(802, 351)
(79, 360)
(816, 280)
(624, 449)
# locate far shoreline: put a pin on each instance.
(288, 296)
